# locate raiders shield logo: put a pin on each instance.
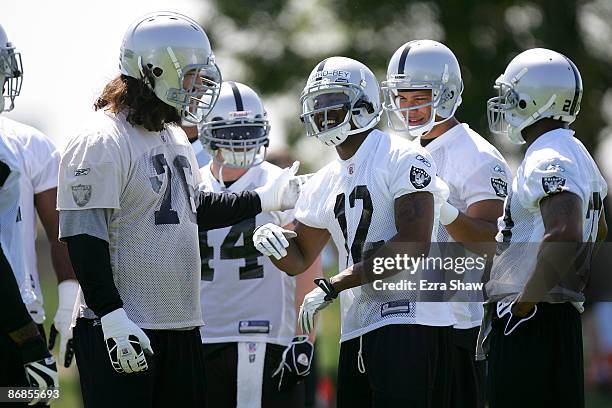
(500, 186)
(553, 184)
(81, 194)
(419, 178)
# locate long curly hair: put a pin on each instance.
(139, 102)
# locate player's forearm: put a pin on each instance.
(60, 259)
(554, 263)
(362, 272)
(294, 263)
(219, 210)
(469, 229)
(91, 262)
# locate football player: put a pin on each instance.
(130, 211)
(37, 364)
(251, 354)
(18, 332)
(421, 95)
(552, 209)
(379, 198)
(38, 161)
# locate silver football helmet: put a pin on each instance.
(237, 128)
(11, 73)
(422, 64)
(171, 52)
(537, 84)
(341, 98)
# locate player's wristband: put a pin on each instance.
(328, 288)
(448, 213)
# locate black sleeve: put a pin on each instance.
(14, 314)
(91, 263)
(218, 210)
(4, 172)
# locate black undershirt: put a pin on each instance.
(425, 142)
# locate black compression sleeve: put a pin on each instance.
(14, 313)
(91, 263)
(218, 210)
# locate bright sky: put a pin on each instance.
(70, 49)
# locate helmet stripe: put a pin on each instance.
(237, 96)
(321, 65)
(577, 88)
(402, 60)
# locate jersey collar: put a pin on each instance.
(548, 138)
(446, 137)
(237, 186)
(366, 148)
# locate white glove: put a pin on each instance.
(275, 195)
(271, 240)
(68, 291)
(448, 213)
(126, 343)
(313, 302)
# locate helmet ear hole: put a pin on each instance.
(157, 71)
(522, 104)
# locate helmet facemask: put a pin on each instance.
(398, 117)
(327, 111)
(201, 84)
(11, 77)
(509, 112)
(241, 142)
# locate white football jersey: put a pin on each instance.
(354, 200)
(474, 170)
(38, 161)
(244, 296)
(148, 179)
(555, 162)
(11, 235)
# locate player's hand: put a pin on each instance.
(315, 301)
(68, 291)
(126, 343)
(39, 366)
(271, 240)
(504, 308)
(295, 363)
(272, 194)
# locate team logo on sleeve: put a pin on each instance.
(81, 194)
(419, 178)
(500, 186)
(553, 184)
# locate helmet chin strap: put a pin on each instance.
(221, 176)
(518, 137)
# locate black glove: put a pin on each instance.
(69, 352)
(504, 308)
(295, 363)
(39, 365)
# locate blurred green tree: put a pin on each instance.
(279, 42)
